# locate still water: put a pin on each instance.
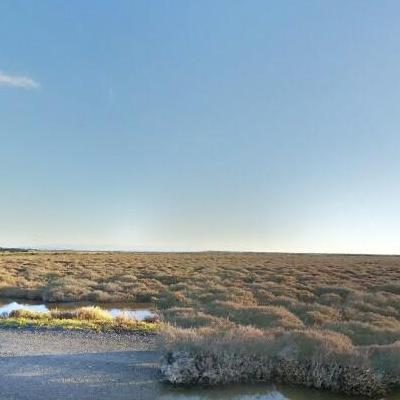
(256, 392)
(138, 312)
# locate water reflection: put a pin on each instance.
(235, 393)
(128, 310)
(257, 392)
(249, 392)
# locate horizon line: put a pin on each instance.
(93, 250)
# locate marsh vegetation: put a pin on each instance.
(321, 311)
(83, 318)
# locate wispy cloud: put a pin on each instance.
(18, 81)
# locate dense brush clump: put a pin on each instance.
(319, 359)
(207, 368)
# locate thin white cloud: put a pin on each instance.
(18, 81)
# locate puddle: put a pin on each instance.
(6, 309)
(256, 392)
(130, 311)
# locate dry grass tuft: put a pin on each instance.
(85, 318)
(83, 314)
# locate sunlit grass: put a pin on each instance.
(358, 296)
(85, 318)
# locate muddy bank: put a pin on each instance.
(185, 368)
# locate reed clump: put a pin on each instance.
(84, 318)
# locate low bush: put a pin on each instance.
(85, 318)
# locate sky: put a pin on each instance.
(200, 125)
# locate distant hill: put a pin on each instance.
(12, 250)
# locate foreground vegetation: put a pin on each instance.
(309, 357)
(84, 318)
(319, 311)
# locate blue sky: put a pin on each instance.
(238, 125)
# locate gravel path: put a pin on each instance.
(77, 365)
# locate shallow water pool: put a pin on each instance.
(257, 392)
(129, 310)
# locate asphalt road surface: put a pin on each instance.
(77, 365)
